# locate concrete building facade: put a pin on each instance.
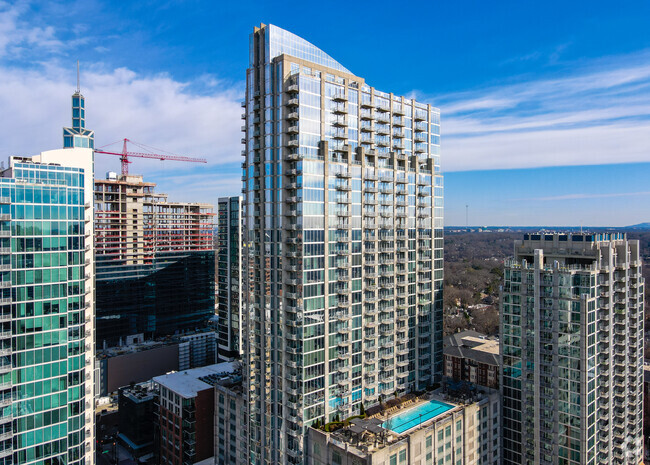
(572, 350)
(343, 240)
(231, 423)
(139, 362)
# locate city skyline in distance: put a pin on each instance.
(569, 91)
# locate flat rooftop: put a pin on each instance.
(473, 346)
(189, 383)
(173, 339)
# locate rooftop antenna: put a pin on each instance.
(78, 89)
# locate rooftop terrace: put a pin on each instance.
(392, 425)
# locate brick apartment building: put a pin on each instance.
(470, 356)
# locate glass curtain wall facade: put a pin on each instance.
(572, 351)
(343, 201)
(45, 344)
(155, 261)
(229, 299)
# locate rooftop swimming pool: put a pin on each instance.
(413, 417)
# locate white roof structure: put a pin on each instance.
(187, 383)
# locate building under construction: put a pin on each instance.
(155, 261)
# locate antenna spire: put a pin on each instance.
(78, 89)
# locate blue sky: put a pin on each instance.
(545, 106)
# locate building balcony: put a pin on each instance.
(398, 110)
(292, 391)
(341, 134)
(293, 155)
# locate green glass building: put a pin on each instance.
(47, 306)
(44, 304)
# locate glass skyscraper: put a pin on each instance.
(47, 305)
(46, 337)
(229, 301)
(343, 264)
(572, 351)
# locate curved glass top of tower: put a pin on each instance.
(280, 41)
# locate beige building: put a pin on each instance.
(132, 222)
(454, 434)
(472, 357)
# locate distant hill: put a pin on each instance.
(640, 226)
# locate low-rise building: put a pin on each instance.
(472, 357)
(138, 362)
(136, 405)
(185, 412)
(230, 420)
(439, 430)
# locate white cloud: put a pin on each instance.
(18, 34)
(599, 115)
(593, 145)
(154, 110)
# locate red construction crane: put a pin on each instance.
(124, 155)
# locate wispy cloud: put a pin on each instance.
(21, 33)
(596, 114)
(589, 196)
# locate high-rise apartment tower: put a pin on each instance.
(229, 290)
(343, 243)
(47, 304)
(155, 261)
(572, 351)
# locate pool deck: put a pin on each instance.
(419, 414)
(389, 416)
